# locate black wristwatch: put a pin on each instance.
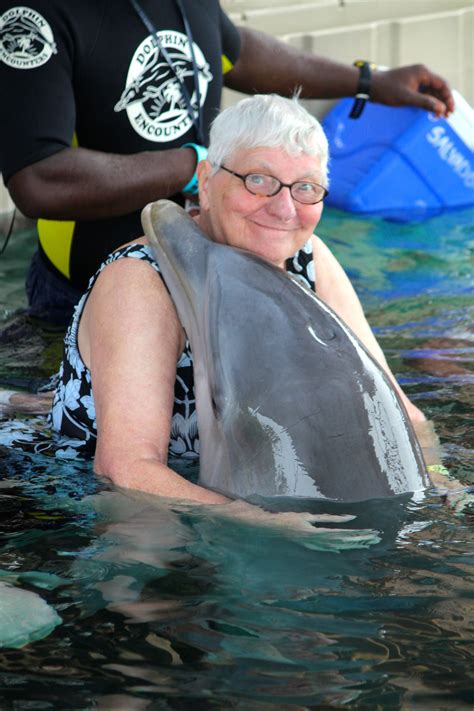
(362, 94)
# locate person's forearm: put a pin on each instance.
(151, 476)
(268, 65)
(78, 183)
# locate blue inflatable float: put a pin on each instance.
(400, 163)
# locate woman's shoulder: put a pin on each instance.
(119, 263)
(139, 249)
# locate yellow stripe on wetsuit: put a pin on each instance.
(226, 64)
(55, 237)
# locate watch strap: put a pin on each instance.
(362, 94)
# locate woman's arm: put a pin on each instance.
(335, 289)
(130, 338)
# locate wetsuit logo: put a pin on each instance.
(26, 39)
(152, 96)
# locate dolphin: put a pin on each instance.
(289, 402)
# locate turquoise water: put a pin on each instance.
(163, 607)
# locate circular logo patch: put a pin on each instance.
(26, 39)
(153, 98)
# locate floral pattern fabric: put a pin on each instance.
(73, 409)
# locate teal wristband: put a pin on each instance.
(201, 154)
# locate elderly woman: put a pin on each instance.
(127, 376)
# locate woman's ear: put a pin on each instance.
(204, 171)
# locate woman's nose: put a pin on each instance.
(282, 205)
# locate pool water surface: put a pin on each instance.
(145, 605)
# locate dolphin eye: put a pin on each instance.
(215, 402)
(218, 401)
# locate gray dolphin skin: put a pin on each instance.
(289, 402)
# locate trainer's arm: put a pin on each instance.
(267, 64)
(335, 289)
(130, 338)
(82, 184)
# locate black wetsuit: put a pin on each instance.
(86, 72)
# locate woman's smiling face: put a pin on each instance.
(274, 228)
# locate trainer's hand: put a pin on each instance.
(415, 85)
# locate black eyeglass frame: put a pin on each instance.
(243, 178)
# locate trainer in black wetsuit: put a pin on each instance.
(73, 76)
(87, 70)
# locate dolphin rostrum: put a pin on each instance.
(289, 402)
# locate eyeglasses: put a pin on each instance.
(266, 186)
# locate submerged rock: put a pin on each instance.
(24, 617)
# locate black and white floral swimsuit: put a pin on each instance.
(73, 410)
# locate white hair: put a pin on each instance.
(268, 121)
